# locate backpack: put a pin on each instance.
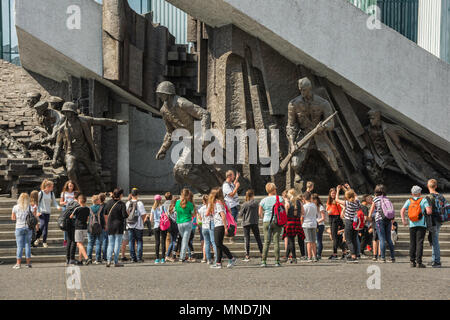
(31, 220)
(359, 220)
(164, 222)
(133, 214)
(441, 208)
(414, 210)
(231, 223)
(94, 224)
(64, 218)
(279, 213)
(387, 208)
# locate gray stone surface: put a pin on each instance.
(332, 38)
(323, 280)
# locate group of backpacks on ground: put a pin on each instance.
(111, 225)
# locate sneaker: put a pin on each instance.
(278, 264)
(375, 258)
(216, 266)
(140, 261)
(36, 243)
(382, 260)
(233, 261)
(333, 257)
(436, 264)
(134, 261)
(192, 259)
(421, 265)
(392, 260)
(65, 243)
(170, 259)
(352, 260)
(78, 263)
(108, 264)
(309, 260)
(118, 264)
(246, 259)
(88, 262)
(263, 264)
(319, 257)
(209, 262)
(45, 245)
(412, 264)
(203, 261)
(162, 261)
(124, 259)
(72, 262)
(29, 266)
(16, 266)
(156, 261)
(97, 262)
(314, 259)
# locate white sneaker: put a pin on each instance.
(36, 243)
(16, 266)
(45, 245)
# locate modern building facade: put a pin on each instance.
(426, 22)
(163, 12)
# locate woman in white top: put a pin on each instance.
(46, 201)
(207, 230)
(320, 223)
(216, 209)
(309, 225)
(67, 196)
(160, 235)
(23, 233)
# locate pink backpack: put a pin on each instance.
(231, 223)
(279, 212)
(387, 208)
(164, 222)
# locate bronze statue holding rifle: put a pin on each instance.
(310, 117)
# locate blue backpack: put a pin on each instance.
(441, 208)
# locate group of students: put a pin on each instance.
(111, 225)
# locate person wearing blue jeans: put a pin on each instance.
(98, 241)
(136, 237)
(208, 236)
(105, 245)
(384, 234)
(436, 227)
(114, 244)
(185, 230)
(23, 240)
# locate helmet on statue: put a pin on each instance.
(166, 87)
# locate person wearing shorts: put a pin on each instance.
(309, 225)
(81, 216)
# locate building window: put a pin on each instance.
(9, 50)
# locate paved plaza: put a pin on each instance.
(323, 280)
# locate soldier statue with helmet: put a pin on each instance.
(74, 136)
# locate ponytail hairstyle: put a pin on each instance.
(215, 195)
(250, 194)
(24, 201)
(185, 194)
(117, 193)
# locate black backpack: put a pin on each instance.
(133, 214)
(64, 218)
(95, 225)
(31, 220)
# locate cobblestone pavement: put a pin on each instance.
(322, 280)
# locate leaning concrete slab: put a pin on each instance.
(378, 67)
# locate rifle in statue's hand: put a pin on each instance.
(305, 139)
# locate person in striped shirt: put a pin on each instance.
(352, 205)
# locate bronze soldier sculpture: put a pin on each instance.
(305, 112)
(385, 151)
(75, 136)
(180, 113)
(49, 120)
